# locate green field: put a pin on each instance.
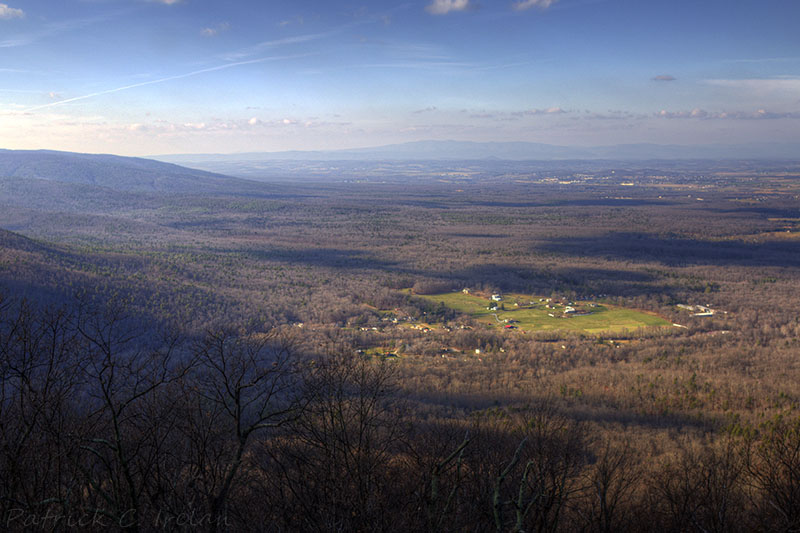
(532, 315)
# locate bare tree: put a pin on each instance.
(610, 484)
(539, 479)
(244, 385)
(332, 470)
(127, 417)
(40, 374)
(773, 469)
(700, 489)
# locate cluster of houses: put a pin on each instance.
(569, 308)
(566, 307)
(700, 310)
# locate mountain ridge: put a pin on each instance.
(118, 173)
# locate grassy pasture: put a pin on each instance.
(532, 315)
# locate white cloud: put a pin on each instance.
(168, 2)
(527, 4)
(442, 7)
(10, 12)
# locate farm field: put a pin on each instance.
(531, 313)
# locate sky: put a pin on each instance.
(154, 77)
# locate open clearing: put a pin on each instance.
(533, 314)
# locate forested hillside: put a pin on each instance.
(289, 356)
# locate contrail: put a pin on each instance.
(153, 82)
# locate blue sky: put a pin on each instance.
(138, 77)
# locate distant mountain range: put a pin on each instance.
(129, 174)
(522, 151)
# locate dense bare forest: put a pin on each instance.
(266, 356)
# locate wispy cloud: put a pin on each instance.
(167, 2)
(527, 4)
(516, 115)
(664, 77)
(55, 28)
(275, 43)
(783, 83)
(215, 30)
(163, 127)
(546, 111)
(13, 43)
(160, 80)
(10, 12)
(295, 20)
(702, 114)
(410, 50)
(443, 7)
(611, 114)
(20, 91)
(763, 60)
(421, 64)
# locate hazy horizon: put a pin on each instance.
(138, 77)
